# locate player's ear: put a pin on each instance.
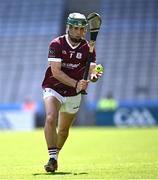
(68, 27)
(85, 30)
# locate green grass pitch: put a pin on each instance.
(89, 153)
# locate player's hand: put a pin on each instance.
(82, 85)
(95, 76)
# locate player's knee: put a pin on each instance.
(51, 119)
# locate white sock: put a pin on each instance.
(53, 153)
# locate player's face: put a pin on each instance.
(76, 33)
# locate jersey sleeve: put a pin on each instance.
(54, 53)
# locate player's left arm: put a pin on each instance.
(94, 72)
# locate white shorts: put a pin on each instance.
(68, 104)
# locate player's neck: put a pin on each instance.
(72, 42)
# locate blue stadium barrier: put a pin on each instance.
(128, 114)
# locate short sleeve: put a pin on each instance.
(55, 49)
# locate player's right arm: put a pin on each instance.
(60, 75)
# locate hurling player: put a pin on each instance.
(62, 83)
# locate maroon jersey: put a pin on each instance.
(73, 62)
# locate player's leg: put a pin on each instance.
(67, 114)
(64, 123)
(52, 106)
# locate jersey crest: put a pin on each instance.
(79, 55)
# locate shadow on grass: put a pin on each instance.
(59, 173)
